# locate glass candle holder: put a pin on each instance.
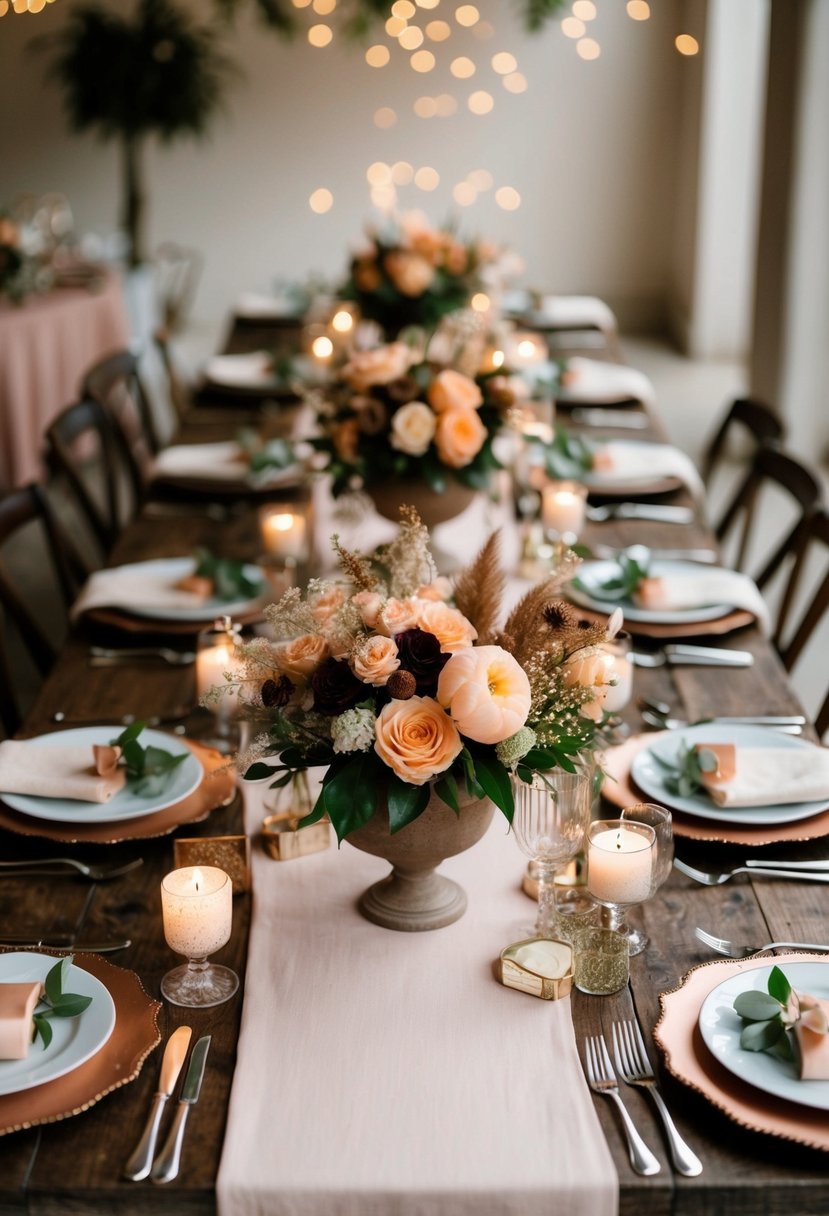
(284, 531)
(658, 818)
(563, 510)
(197, 909)
(217, 655)
(601, 961)
(619, 669)
(620, 863)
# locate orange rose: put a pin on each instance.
(450, 627)
(380, 366)
(439, 590)
(459, 437)
(367, 276)
(410, 273)
(300, 658)
(375, 661)
(416, 739)
(452, 391)
(455, 259)
(396, 616)
(487, 693)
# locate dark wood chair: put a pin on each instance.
(791, 639)
(116, 384)
(770, 468)
(35, 596)
(744, 416)
(88, 450)
(178, 392)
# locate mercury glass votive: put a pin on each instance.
(602, 961)
(563, 510)
(197, 910)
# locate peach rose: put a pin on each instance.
(300, 658)
(459, 437)
(588, 668)
(375, 661)
(427, 243)
(450, 627)
(487, 693)
(367, 276)
(410, 273)
(413, 428)
(368, 604)
(455, 259)
(439, 590)
(380, 366)
(396, 616)
(326, 604)
(416, 739)
(450, 390)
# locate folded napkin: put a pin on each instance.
(134, 587)
(258, 306)
(55, 771)
(813, 1043)
(217, 462)
(699, 588)
(17, 1004)
(753, 776)
(629, 460)
(253, 370)
(593, 381)
(575, 312)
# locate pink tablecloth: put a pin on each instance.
(46, 346)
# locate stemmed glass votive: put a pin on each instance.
(659, 818)
(620, 863)
(197, 908)
(551, 816)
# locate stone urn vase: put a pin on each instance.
(432, 506)
(414, 897)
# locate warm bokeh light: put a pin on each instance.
(377, 56)
(526, 348)
(481, 179)
(4, 7)
(462, 67)
(427, 3)
(411, 38)
(479, 302)
(301, 3)
(422, 61)
(686, 44)
(571, 27)
(507, 198)
(324, 7)
(427, 178)
(588, 48)
(404, 9)
(483, 30)
(438, 31)
(497, 358)
(401, 173)
(638, 10)
(480, 102)
(321, 200)
(323, 347)
(426, 107)
(320, 35)
(467, 15)
(585, 10)
(342, 321)
(384, 197)
(503, 63)
(464, 194)
(379, 173)
(395, 26)
(446, 105)
(385, 117)
(516, 82)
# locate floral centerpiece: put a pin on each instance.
(411, 274)
(16, 278)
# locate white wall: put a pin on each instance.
(590, 147)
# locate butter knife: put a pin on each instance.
(140, 1163)
(167, 1163)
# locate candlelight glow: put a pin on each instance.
(588, 48)
(385, 117)
(462, 67)
(479, 302)
(516, 82)
(507, 198)
(438, 31)
(321, 201)
(585, 10)
(422, 61)
(481, 179)
(446, 105)
(395, 26)
(467, 15)
(480, 102)
(425, 107)
(427, 178)
(411, 38)
(320, 35)
(324, 7)
(342, 322)
(404, 9)
(483, 30)
(322, 348)
(686, 44)
(401, 173)
(379, 173)
(464, 194)
(503, 63)
(498, 357)
(377, 56)
(571, 27)
(638, 10)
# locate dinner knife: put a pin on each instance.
(681, 652)
(141, 1161)
(167, 1163)
(62, 942)
(659, 512)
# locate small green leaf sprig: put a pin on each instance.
(770, 1016)
(620, 586)
(684, 773)
(148, 768)
(230, 582)
(56, 1003)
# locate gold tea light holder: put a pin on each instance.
(538, 966)
(283, 840)
(228, 853)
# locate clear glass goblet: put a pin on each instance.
(621, 856)
(551, 816)
(659, 818)
(197, 910)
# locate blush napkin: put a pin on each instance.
(133, 587)
(593, 381)
(701, 587)
(770, 777)
(55, 771)
(625, 460)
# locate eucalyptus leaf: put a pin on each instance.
(756, 1006)
(760, 1036)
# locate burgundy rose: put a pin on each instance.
(336, 688)
(420, 654)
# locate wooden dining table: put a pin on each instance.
(76, 1165)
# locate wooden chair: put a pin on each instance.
(769, 468)
(743, 415)
(115, 383)
(89, 451)
(177, 390)
(790, 642)
(56, 586)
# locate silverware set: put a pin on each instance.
(758, 869)
(143, 1162)
(734, 950)
(687, 654)
(657, 512)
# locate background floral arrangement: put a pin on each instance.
(414, 275)
(397, 682)
(15, 277)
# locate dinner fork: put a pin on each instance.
(717, 878)
(662, 723)
(661, 513)
(96, 873)
(633, 1065)
(602, 1080)
(733, 950)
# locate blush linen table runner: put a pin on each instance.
(384, 1072)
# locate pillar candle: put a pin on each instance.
(197, 907)
(563, 508)
(283, 532)
(619, 865)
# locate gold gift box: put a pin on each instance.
(284, 841)
(516, 973)
(228, 853)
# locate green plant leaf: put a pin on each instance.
(756, 1006)
(53, 984)
(42, 1028)
(405, 802)
(496, 783)
(70, 1005)
(446, 788)
(258, 771)
(473, 785)
(779, 987)
(760, 1036)
(351, 796)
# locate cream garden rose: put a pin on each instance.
(368, 604)
(375, 661)
(416, 739)
(326, 605)
(450, 390)
(300, 658)
(413, 428)
(459, 437)
(410, 273)
(450, 627)
(487, 693)
(369, 367)
(589, 669)
(397, 615)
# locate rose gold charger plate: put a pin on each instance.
(115, 618)
(117, 1063)
(689, 1060)
(738, 618)
(641, 488)
(216, 788)
(619, 788)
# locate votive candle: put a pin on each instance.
(197, 908)
(563, 508)
(283, 532)
(619, 669)
(619, 865)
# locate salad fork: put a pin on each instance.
(733, 950)
(633, 1065)
(602, 1080)
(96, 873)
(717, 878)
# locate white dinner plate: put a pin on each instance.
(123, 805)
(720, 1028)
(650, 776)
(593, 574)
(168, 570)
(74, 1040)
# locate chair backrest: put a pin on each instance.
(34, 599)
(770, 467)
(792, 638)
(743, 415)
(88, 449)
(176, 388)
(115, 383)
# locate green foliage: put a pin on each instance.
(56, 1003)
(230, 582)
(568, 455)
(621, 586)
(148, 768)
(684, 772)
(766, 1029)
